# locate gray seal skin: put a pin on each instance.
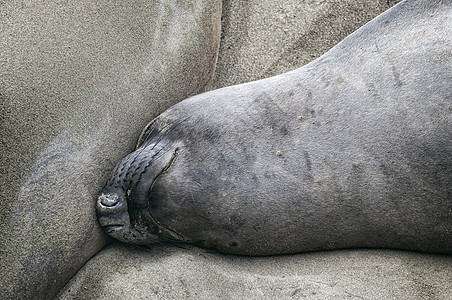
(351, 150)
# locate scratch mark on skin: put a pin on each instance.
(396, 76)
(376, 46)
(170, 163)
(153, 124)
(144, 142)
(192, 199)
(164, 170)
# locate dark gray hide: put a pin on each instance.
(351, 150)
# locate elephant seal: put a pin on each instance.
(351, 150)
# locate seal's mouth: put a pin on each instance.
(122, 207)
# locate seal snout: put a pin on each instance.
(112, 210)
(123, 205)
(108, 200)
(113, 216)
(112, 228)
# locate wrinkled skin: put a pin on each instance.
(351, 150)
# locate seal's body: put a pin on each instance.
(351, 150)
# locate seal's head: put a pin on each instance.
(122, 207)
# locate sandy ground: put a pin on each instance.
(163, 272)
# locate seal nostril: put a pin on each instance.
(113, 228)
(109, 200)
